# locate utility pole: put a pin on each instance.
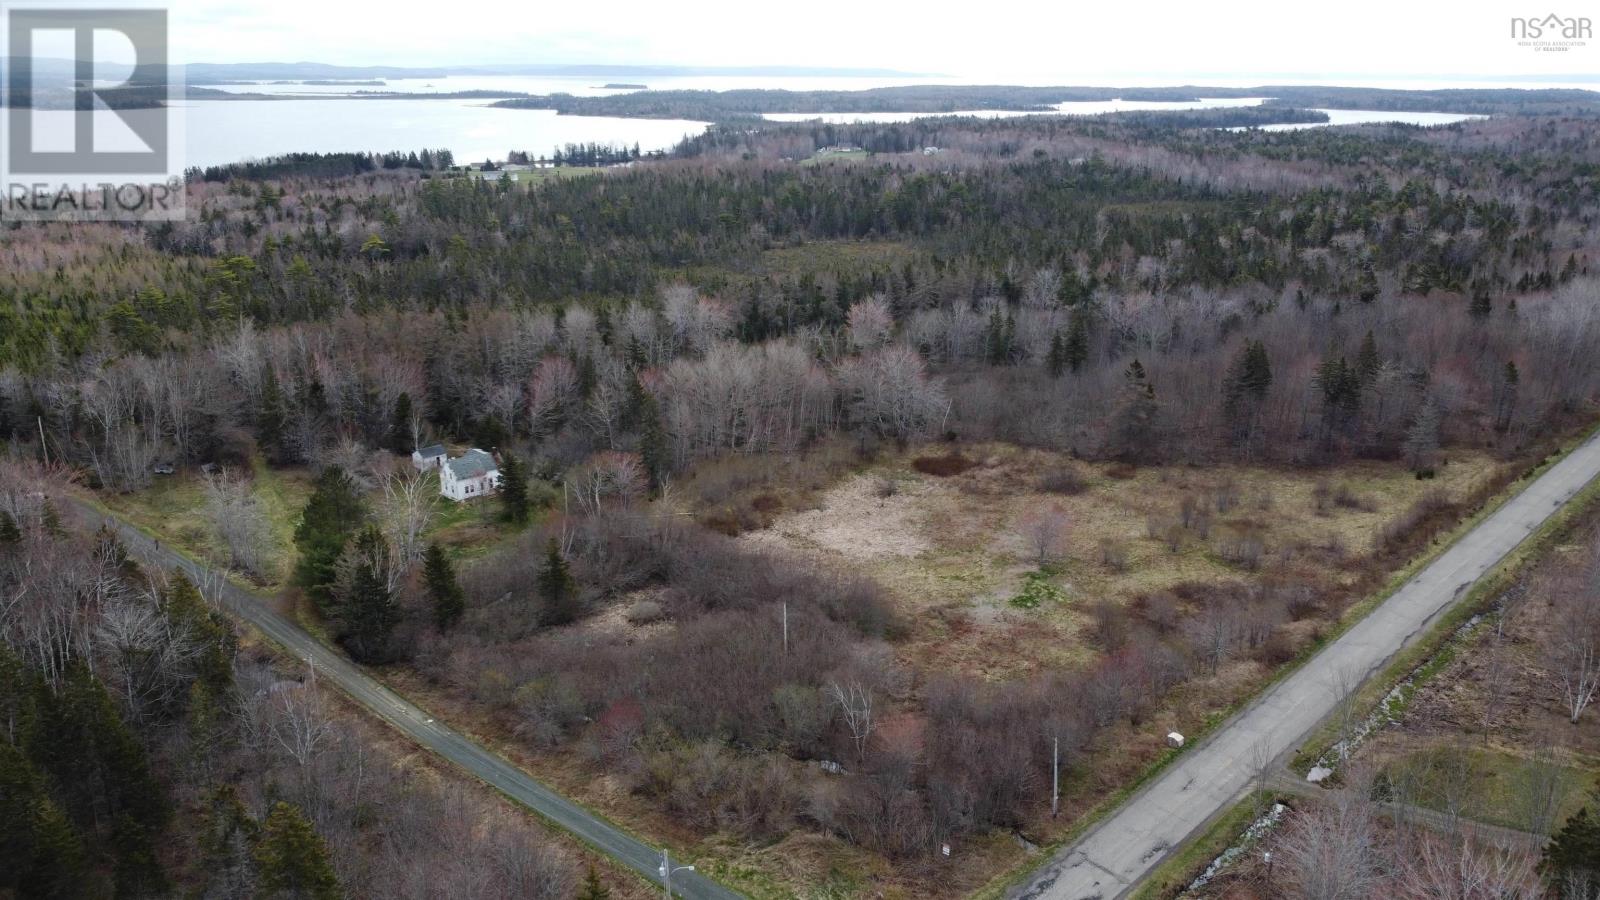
(786, 627)
(1055, 777)
(666, 871)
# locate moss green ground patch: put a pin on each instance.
(1479, 783)
(173, 510)
(1038, 589)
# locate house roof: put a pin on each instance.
(472, 464)
(430, 451)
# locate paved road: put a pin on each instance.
(1124, 847)
(421, 727)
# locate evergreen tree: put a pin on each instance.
(137, 870)
(1245, 390)
(654, 450)
(1000, 341)
(1368, 361)
(1422, 440)
(42, 854)
(50, 518)
(292, 859)
(218, 645)
(1341, 396)
(557, 588)
(333, 512)
(1573, 856)
(227, 837)
(272, 418)
(9, 532)
(1481, 306)
(1077, 344)
(1136, 419)
(1056, 361)
(592, 888)
(449, 601)
(363, 604)
(19, 692)
(513, 488)
(1510, 380)
(399, 438)
(99, 768)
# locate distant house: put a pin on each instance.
(425, 458)
(472, 474)
(930, 151)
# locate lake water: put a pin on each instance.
(1070, 108)
(228, 131)
(1365, 116)
(223, 131)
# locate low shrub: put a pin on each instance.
(1067, 481)
(945, 466)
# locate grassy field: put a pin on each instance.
(173, 510)
(823, 156)
(952, 553)
(1484, 784)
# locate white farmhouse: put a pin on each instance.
(426, 458)
(472, 474)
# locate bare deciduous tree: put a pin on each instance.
(855, 705)
(552, 391)
(240, 523)
(1332, 851)
(1574, 651)
(1045, 529)
(406, 511)
(871, 323)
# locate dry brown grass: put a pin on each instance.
(949, 550)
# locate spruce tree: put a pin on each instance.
(363, 605)
(43, 856)
(557, 588)
(50, 518)
(1368, 362)
(449, 601)
(654, 451)
(1510, 379)
(513, 488)
(1077, 343)
(272, 418)
(399, 440)
(9, 532)
(1056, 362)
(333, 513)
(1245, 390)
(208, 629)
(592, 888)
(1135, 426)
(1481, 306)
(1573, 855)
(227, 836)
(292, 859)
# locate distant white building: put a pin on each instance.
(426, 458)
(472, 474)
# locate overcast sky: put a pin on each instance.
(974, 40)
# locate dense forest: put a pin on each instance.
(673, 336)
